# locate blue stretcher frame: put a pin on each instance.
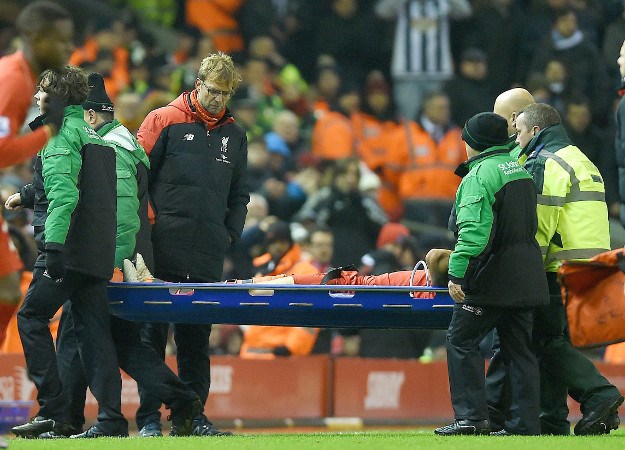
(323, 306)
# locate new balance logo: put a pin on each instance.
(188, 137)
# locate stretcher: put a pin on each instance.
(321, 306)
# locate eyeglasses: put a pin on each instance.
(216, 92)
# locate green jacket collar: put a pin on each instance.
(466, 166)
(73, 111)
(116, 133)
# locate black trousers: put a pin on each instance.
(469, 325)
(89, 301)
(192, 358)
(138, 359)
(563, 370)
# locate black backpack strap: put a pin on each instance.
(335, 273)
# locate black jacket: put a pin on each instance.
(198, 189)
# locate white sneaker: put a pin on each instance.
(130, 272)
(143, 273)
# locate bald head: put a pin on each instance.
(509, 103)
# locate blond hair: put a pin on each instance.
(219, 67)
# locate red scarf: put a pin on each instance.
(210, 120)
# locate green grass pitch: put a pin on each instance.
(365, 440)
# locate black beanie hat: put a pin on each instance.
(485, 130)
(97, 99)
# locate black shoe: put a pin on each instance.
(465, 426)
(182, 419)
(96, 432)
(612, 423)
(34, 427)
(60, 430)
(599, 420)
(204, 427)
(152, 428)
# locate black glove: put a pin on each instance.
(281, 350)
(37, 122)
(55, 108)
(55, 261)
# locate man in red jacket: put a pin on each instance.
(46, 32)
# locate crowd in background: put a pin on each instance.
(332, 145)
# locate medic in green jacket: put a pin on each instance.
(131, 159)
(61, 165)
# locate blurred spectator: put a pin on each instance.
(291, 23)
(283, 257)
(129, 112)
(428, 150)
(257, 210)
(351, 34)
(217, 19)
(187, 42)
(593, 141)
(160, 12)
(495, 28)
(257, 86)
(258, 170)
(355, 219)
(560, 87)
(264, 47)
(293, 91)
(327, 86)
(584, 64)
(613, 39)
(286, 128)
(373, 126)
(471, 90)
(246, 113)
(422, 59)
(319, 248)
(106, 50)
(333, 136)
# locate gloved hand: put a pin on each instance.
(55, 108)
(281, 350)
(55, 261)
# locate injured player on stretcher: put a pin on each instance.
(435, 274)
